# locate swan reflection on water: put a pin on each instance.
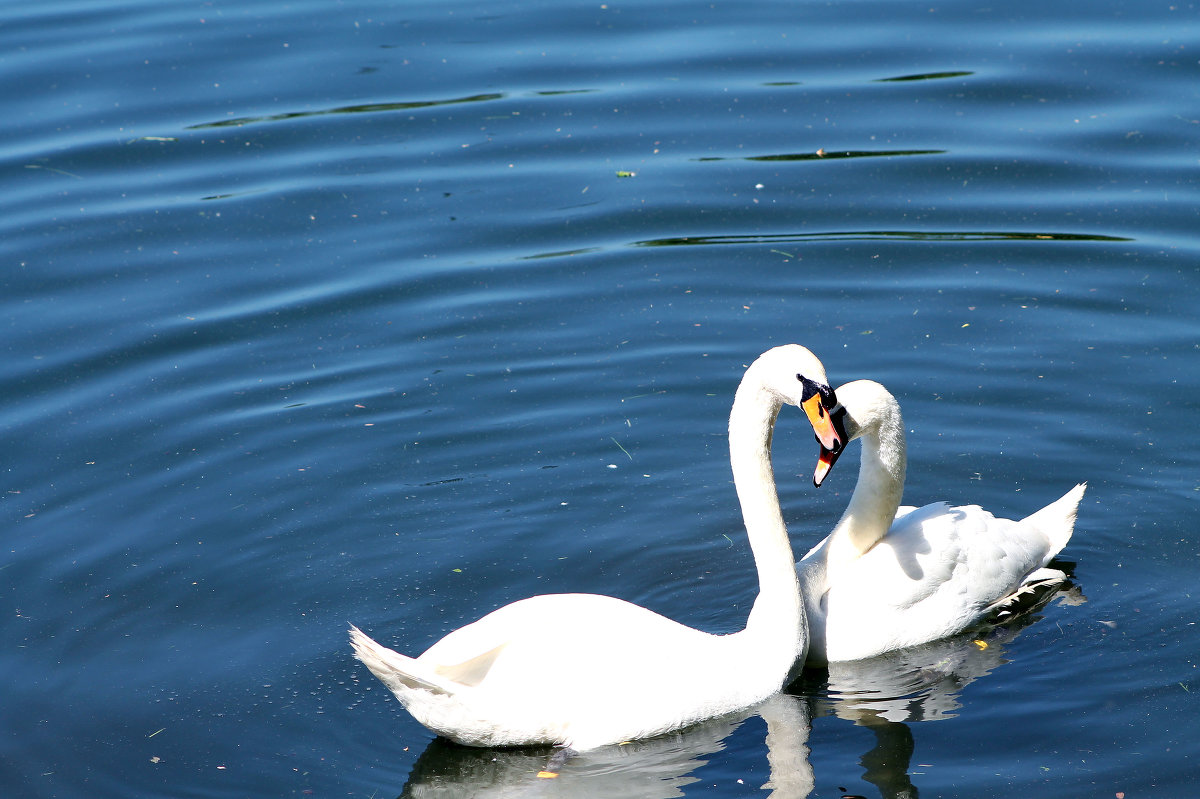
(885, 694)
(654, 768)
(923, 683)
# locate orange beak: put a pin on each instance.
(822, 424)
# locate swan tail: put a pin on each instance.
(398, 672)
(1057, 520)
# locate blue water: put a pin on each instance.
(393, 313)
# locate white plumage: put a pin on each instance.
(888, 576)
(583, 670)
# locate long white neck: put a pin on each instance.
(777, 626)
(876, 416)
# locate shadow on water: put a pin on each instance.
(925, 76)
(823, 155)
(896, 79)
(363, 108)
(885, 695)
(867, 235)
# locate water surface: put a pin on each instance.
(391, 314)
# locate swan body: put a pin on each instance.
(582, 670)
(889, 576)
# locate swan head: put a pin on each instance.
(864, 407)
(797, 377)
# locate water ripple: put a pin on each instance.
(867, 235)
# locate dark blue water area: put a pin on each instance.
(393, 313)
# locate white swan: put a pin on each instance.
(583, 670)
(888, 576)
